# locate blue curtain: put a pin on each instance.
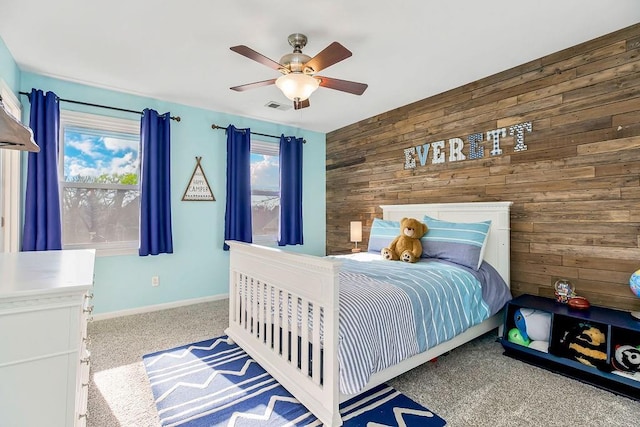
(290, 232)
(42, 226)
(237, 217)
(155, 184)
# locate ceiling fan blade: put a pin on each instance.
(301, 104)
(342, 85)
(253, 85)
(332, 54)
(258, 57)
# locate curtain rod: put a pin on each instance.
(215, 126)
(176, 118)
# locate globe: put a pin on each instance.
(634, 283)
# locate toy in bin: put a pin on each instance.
(516, 337)
(587, 344)
(532, 329)
(626, 358)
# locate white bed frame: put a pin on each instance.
(270, 275)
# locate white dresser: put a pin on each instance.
(45, 303)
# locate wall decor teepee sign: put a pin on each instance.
(198, 188)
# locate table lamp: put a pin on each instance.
(356, 234)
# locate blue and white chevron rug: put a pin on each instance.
(214, 383)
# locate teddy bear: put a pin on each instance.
(407, 246)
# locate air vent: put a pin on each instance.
(277, 106)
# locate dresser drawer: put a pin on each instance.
(29, 335)
(37, 393)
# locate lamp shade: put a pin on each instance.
(297, 85)
(356, 231)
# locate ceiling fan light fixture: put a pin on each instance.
(297, 85)
(299, 79)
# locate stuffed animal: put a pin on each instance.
(587, 344)
(542, 346)
(534, 325)
(626, 358)
(516, 337)
(406, 247)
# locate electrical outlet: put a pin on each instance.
(155, 280)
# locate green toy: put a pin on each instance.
(516, 337)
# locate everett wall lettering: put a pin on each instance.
(456, 145)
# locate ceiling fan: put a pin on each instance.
(299, 79)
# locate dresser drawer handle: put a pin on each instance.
(85, 415)
(88, 295)
(88, 309)
(85, 360)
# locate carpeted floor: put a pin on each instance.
(473, 386)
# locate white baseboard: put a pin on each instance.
(157, 307)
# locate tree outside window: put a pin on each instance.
(99, 176)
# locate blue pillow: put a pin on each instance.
(382, 234)
(460, 242)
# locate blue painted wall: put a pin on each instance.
(9, 71)
(198, 267)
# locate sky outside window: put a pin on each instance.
(89, 154)
(265, 172)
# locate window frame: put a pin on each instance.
(10, 181)
(97, 122)
(270, 149)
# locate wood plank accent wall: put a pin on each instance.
(575, 190)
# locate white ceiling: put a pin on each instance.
(405, 50)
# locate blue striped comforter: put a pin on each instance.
(390, 311)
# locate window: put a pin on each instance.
(265, 191)
(99, 175)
